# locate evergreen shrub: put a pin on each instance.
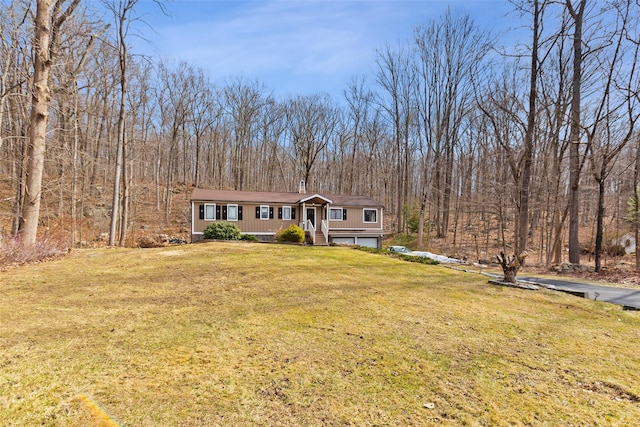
(222, 231)
(293, 234)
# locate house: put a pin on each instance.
(328, 218)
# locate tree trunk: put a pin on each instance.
(636, 204)
(510, 265)
(46, 32)
(574, 134)
(40, 102)
(523, 220)
(599, 224)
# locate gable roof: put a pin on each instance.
(203, 194)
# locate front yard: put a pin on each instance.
(256, 334)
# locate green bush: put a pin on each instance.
(249, 238)
(222, 231)
(292, 234)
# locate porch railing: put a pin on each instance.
(307, 225)
(325, 230)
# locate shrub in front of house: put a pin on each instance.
(293, 234)
(249, 238)
(222, 231)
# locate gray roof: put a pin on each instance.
(203, 194)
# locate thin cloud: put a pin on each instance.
(287, 43)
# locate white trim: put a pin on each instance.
(267, 218)
(205, 211)
(341, 214)
(193, 217)
(351, 229)
(313, 197)
(237, 211)
(283, 216)
(257, 233)
(357, 234)
(363, 216)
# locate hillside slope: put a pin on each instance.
(256, 334)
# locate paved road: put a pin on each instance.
(628, 298)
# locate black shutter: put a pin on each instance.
(217, 211)
(270, 213)
(239, 213)
(280, 213)
(293, 213)
(224, 212)
(344, 214)
(201, 211)
(257, 212)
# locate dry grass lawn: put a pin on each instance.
(250, 334)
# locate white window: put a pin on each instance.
(264, 212)
(209, 212)
(286, 212)
(370, 215)
(335, 214)
(232, 212)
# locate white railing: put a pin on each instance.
(325, 230)
(307, 225)
(312, 231)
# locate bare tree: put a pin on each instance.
(450, 52)
(121, 11)
(49, 19)
(618, 111)
(311, 122)
(243, 101)
(576, 12)
(395, 77)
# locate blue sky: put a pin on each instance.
(294, 47)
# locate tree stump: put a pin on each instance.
(511, 265)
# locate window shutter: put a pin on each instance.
(224, 213)
(201, 212)
(293, 213)
(239, 213)
(217, 211)
(270, 213)
(257, 212)
(344, 214)
(280, 213)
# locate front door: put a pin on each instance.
(311, 216)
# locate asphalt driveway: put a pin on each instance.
(628, 298)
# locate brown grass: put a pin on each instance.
(251, 334)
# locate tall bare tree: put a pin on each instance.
(397, 81)
(577, 11)
(121, 11)
(49, 18)
(311, 121)
(450, 52)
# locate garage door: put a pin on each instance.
(371, 242)
(344, 240)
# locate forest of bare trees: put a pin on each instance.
(464, 139)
